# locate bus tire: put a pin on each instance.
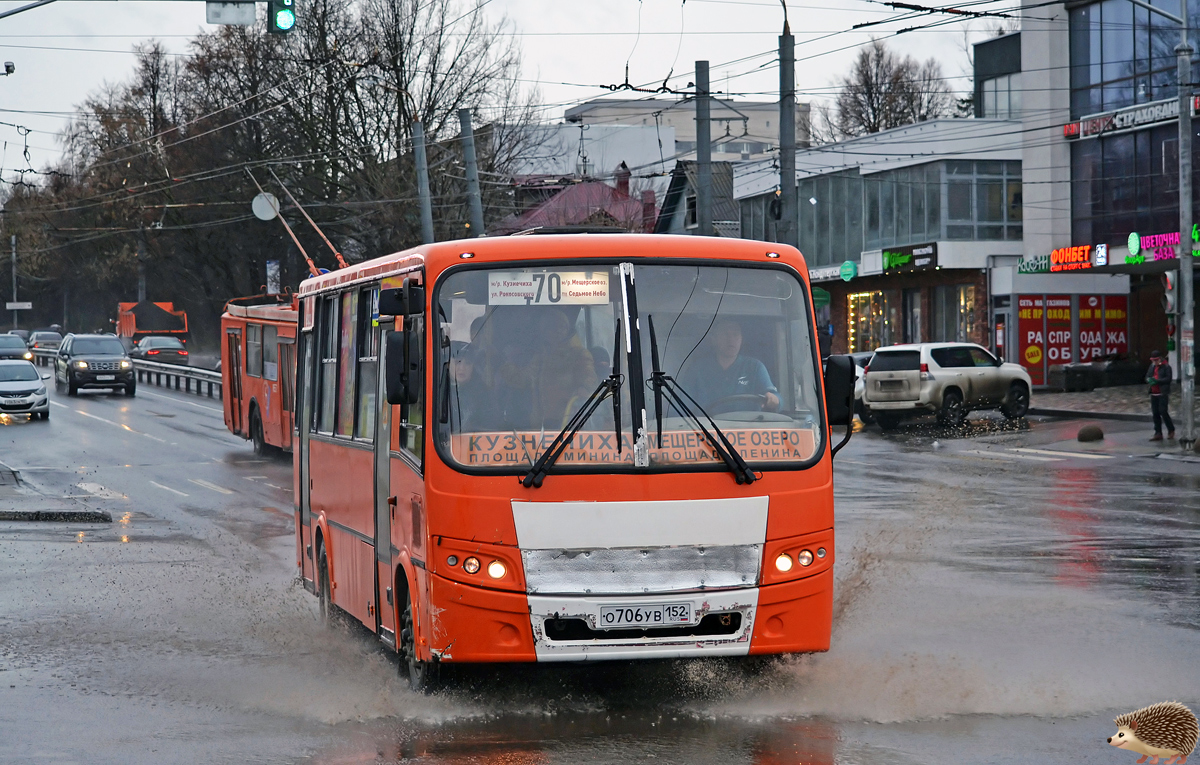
(324, 586)
(256, 433)
(422, 675)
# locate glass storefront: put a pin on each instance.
(873, 319)
(953, 313)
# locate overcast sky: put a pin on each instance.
(70, 48)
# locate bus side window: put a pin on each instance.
(411, 433)
(270, 352)
(346, 359)
(368, 365)
(254, 357)
(327, 354)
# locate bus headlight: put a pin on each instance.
(805, 557)
(471, 565)
(783, 562)
(496, 570)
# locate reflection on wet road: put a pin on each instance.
(998, 599)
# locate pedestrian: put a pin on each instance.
(1159, 376)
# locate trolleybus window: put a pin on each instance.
(368, 360)
(270, 352)
(254, 350)
(520, 350)
(328, 356)
(346, 364)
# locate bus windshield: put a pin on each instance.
(519, 350)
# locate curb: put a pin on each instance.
(57, 516)
(1077, 414)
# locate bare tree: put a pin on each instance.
(884, 91)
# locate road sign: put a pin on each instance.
(18, 306)
(265, 206)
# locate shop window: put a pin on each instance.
(873, 320)
(954, 313)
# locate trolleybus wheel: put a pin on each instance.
(256, 434)
(324, 587)
(422, 675)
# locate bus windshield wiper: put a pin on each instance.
(664, 383)
(609, 386)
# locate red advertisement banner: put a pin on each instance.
(1091, 327)
(1058, 329)
(1031, 341)
(1116, 324)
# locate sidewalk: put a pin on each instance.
(1123, 402)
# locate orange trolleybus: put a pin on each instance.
(569, 448)
(258, 369)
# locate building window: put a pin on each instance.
(873, 320)
(1121, 55)
(1002, 97)
(954, 313)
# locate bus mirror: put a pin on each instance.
(839, 389)
(404, 368)
(408, 300)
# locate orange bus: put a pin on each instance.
(258, 369)
(569, 448)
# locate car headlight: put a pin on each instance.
(28, 356)
(40, 391)
(126, 364)
(81, 364)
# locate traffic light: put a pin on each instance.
(281, 16)
(1169, 301)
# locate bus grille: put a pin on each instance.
(638, 570)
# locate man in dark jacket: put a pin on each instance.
(1159, 376)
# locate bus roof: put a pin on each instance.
(441, 255)
(281, 313)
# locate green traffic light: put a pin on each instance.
(285, 19)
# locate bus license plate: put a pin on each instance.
(663, 614)
(105, 378)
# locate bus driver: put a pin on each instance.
(725, 374)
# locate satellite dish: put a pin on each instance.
(265, 206)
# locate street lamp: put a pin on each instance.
(1187, 362)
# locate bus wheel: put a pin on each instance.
(324, 586)
(257, 435)
(422, 675)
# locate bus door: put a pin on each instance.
(287, 389)
(233, 360)
(385, 504)
(300, 453)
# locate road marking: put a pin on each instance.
(273, 486)
(96, 490)
(182, 401)
(253, 477)
(61, 406)
(168, 488)
(1056, 453)
(212, 486)
(1006, 456)
(121, 426)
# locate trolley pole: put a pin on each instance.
(474, 200)
(14, 278)
(418, 137)
(704, 224)
(787, 229)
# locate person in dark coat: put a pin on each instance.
(1159, 376)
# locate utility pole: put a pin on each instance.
(787, 230)
(418, 137)
(14, 275)
(474, 200)
(704, 224)
(141, 263)
(1187, 360)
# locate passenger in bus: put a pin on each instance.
(468, 394)
(723, 380)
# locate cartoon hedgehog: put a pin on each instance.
(1167, 729)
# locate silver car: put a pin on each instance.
(948, 379)
(22, 390)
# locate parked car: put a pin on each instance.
(44, 339)
(948, 379)
(861, 360)
(21, 389)
(21, 333)
(13, 347)
(93, 361)
(166, 349)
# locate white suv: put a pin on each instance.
(949, 379)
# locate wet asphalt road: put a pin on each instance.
(998, 600)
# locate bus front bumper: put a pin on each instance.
(477, 625)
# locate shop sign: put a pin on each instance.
(917, 257)
(821, 298)
(849, 270)
(1071, 258)
(1038, 264)
(1129, 118)
(1149, 247)
(824, 274)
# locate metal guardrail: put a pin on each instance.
(177, 376)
